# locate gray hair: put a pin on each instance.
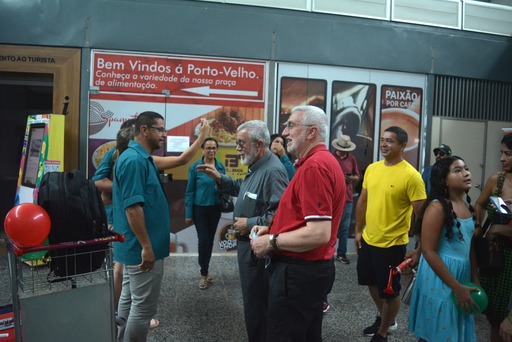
(123, 138)
(314, 116)
(257, 130)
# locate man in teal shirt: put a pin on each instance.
(103, 181)
(141, 213)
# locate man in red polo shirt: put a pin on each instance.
(303, 234)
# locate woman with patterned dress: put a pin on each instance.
(497, 283)
(447, 260)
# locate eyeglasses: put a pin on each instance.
(210, 148)
(289, 125)
(439, 153)
(160, 130)
(242, 144)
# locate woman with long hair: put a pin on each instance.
(497, 283)
(447, 261)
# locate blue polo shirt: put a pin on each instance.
(427, 172)
(137, 181)
(104, 171)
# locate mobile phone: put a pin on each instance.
(500, 205)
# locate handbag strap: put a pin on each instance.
(501, 180)
(499, 186)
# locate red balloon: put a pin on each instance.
(27, 225)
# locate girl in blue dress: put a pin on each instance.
(447, 260)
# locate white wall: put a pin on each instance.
(492, 135)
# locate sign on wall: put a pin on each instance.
(402, 107)
(183, 89)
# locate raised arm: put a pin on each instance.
(169, 162)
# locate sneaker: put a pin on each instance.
(327, 306)
(378, 338)
(393, 326)
(343, 259)
(372, 329)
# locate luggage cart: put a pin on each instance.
(54, 308)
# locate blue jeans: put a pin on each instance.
(139, 301)
(206, 219)
(343, 229)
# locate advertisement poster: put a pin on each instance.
(401, 106)
(358, 103)
(297, 92)
(183, 89)
(352, 110)
(353, 114)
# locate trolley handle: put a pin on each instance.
(115, 237)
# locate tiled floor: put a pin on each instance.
(187, 313)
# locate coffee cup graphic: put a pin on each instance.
(230, 235)
(227, 238)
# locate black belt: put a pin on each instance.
(299, 261)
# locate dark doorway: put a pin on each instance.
(21, 94)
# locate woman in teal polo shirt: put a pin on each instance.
(202, 202)
(278, 147)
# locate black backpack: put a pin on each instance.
(77, 214)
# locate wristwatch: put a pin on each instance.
(273, 242)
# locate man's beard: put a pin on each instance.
(293, 148)
(155, 145)
(249, 157)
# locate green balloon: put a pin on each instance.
(480, 298)
(35, 255)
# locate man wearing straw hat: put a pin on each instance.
(348, 164)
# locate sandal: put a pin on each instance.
(204, 283)
(154, 323)
(209, 279)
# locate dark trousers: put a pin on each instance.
(206, 220)
(254, 291)
(296, 293)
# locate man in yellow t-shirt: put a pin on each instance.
(392, 191)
